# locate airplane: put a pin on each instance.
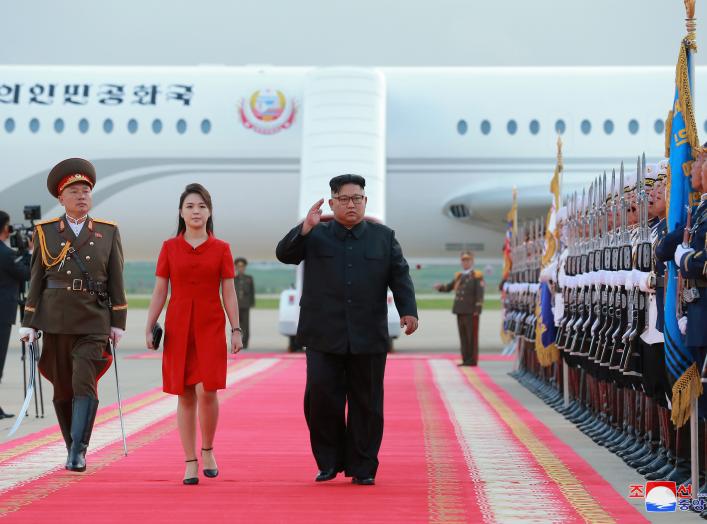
(451, 143)
(441, 148)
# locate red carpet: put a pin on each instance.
(267, 470)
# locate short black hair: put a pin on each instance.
(338, 181)
(4, 220)
(240, 259)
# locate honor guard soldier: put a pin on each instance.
(76, 298)
(468, 287)
(245, 292)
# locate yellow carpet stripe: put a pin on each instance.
(569, 485)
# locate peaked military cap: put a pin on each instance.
(70, 171)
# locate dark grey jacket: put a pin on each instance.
(347, 274)
(14, 271)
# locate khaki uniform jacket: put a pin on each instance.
(468, 292)
(70, 309)
(245, 291)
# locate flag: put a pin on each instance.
(680, 139)
(511, 231)
(551, 219)
(545, 347)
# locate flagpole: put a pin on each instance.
(691, 26)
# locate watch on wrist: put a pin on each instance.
(237, 329)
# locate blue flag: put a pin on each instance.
(681, 137)
(545, 329)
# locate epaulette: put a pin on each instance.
(457, 275)
(478, 274)
(49, 221)
(101, 221)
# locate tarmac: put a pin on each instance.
(437, 334)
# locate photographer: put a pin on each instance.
(14, 271)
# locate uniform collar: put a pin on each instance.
(357, 231)
(76, 221)
(87, 229)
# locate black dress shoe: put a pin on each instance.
(3, 414)
(363, 481)
(326, 474)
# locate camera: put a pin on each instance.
(20, 234)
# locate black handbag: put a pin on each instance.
(156, 336)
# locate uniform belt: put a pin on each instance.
(659, 281)
(77, 284)
(697, 283)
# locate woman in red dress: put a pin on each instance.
(194, 363)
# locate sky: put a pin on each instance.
(337, 32)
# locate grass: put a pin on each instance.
(142, 302)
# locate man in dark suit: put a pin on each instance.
(245, 292)
(14, 271)
(349, 265)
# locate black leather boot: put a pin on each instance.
(63, 416)
(82, 418)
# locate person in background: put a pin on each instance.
(14, 272)
(245, 291)
(468, 287)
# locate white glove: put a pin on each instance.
(116, 334)
(680, 251)
(643, 283)
(628, 282)
(620, 278)
(682, 325)
(637, 277)
(28, 334)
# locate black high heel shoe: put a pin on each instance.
(191, 480)
(211, 473)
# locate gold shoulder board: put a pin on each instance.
(479, 274)
(101, 221)
(48, 221)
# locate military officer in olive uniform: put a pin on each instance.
(245, 291)
(76, 298)
(468, 287)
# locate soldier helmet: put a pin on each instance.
(70, 171)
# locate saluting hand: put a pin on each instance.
(409, 323)
(314, 216)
